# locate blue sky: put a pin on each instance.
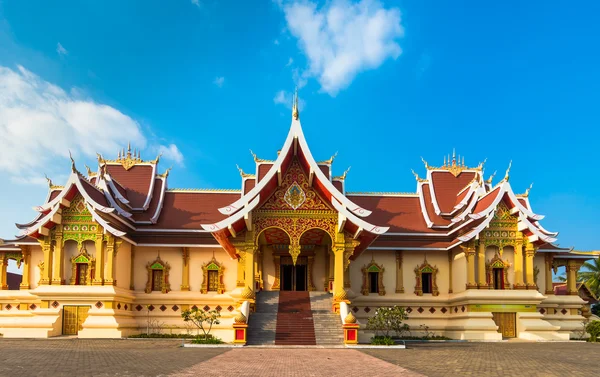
(382, 83)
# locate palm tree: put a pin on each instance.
(591, 276)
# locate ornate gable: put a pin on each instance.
(295, 193)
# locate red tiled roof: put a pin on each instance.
(437, 219)
(446, 187)
(94, 193)
(135, 180)
(486, 201)
(325, 170)
(249, 185)
(263, 169)
(147, 214)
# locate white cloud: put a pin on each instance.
(219, 81)
(343, 38)
(171, 152)
(40, 123)
(285, 98)
(290, 62)
(61, 50)
(196, 3)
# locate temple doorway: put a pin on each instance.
(507, 324)
(73, 318)
(294, 277)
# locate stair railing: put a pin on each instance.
(350, 324)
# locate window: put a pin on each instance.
(213, 281)
(498, 278)
(82, 272)
(373, 279)
(497, 273)
(80, 279)
(373, 282)
(427, 282)
(157, 277)
(212, 272)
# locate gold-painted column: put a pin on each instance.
(185, 273)
(25, 250)
(470, 254)
(57, 264)
(331, 270)
(529, 278)
(249, 273)
(518, 266)
(132, 269)
(338, 271)
(99, 270)
(450, 260)
(399, 276)
(548, 278)
(347, 282)
(311, 262)
(111, 253)
(3, 265)
(241, 266)
(46, 244)
(572, 268)
(482, 283)
(277, 263)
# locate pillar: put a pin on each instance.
(399, 276)
(548, 277)
(331, 269)
(111, 253)
(450, 260)
(3, 265)
(470, 254)
(249, 272)
(338, 270)
(482, 283)
(572, 268)
(47, 250)
(26, 265)
(518, 266)
(132, 269)
(241, 266)
(277, 263)
(310, 267)
(529, 277)
(57, 265)
(99, 268)
(185, 273)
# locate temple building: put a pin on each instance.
(115, 248)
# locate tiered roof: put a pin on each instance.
(451, 205)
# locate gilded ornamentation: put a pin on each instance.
(127, 160)
(240, 318)
(502, 230)
(342, 295)
(497, 262)
(82, 263)
(78, 224)
(247, 293)
(419, 271)
(350, 318)
(158, 265)
(294, 196)
(375, 268)
(213, 265)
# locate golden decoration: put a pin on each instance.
(426, 268)
(454, 165)
(341, 295)
(295, 109)
(373, 267)
(294, 196)
(343, 176)
(257, 159)
(350, 318)
(242, 174)
(328, 162)
(240, 318)
(497, 262)
(213, 265)
(127, 160)
(247, 293)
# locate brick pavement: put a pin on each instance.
(295, 362)
(82, 357)
(497, 359)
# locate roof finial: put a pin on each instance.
(489, 181)
(425, 162)
(444, 161)
(123, 153)
(453, 156)
(139, 155)
(463, 161)
(129, 150)
(506, 176)
(419, 179)
(49, 181)
(72, 162)
(295, 110)
(346, 172)
(119, 155)
(528, 189)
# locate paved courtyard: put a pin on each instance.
(74, 357)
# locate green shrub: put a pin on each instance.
(593, 328)
(387, 320)
(382, 341)
(207, 340)
(203, 320)
(158, 335)
(596, 309)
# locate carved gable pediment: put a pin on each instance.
(294, 193)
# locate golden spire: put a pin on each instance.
(49, 181)
(343, 176)
(526, 194)
(330, 161)
(73, 168)
(425, 162)
(295, 110)
(244, 175)
(489, 180)
(129, 150)
(419, 179)
(506, 176)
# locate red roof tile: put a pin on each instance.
(446, 187)
(135, 180)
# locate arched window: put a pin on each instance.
(82, 266)
(426, 275)
(158, 276)
(373, 279)
(212, 281)
(497, 273)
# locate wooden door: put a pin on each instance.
(73, 318)
(507, 324)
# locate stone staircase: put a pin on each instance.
(262, 323)
(328, 325)
(294, 320)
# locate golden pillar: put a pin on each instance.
(132, 269)
(3, 265)
(518, 265)
(338, 270)
(450, 260)
(331, 270)
(99, 270)
(26, 265)
(111, 253)
(277, 263)
(185, 273)
(57, 264)
(399, 277)
(529, 278)
(249, 272)
(572, 269)
(548, 278)
(482, 283)
(470, 254)
(46, 244)
(241, 266)
(311, 262)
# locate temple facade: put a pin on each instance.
(115, 250)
